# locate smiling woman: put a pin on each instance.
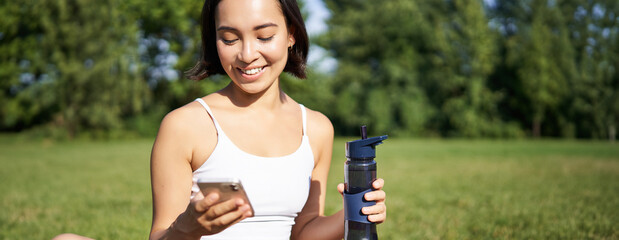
(251, 131)
(210, 64)
(252, 43)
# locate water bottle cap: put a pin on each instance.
(363, 148)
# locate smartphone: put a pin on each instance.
(227, 188)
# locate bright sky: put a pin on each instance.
(318, 13)
(315, 24)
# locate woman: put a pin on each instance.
(249, 130)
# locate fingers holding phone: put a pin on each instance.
(226, 189)
(219, 205)
(217, 216)
(225, 204)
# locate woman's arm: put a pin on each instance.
(174, 215)
(170, 172)
(311, 222)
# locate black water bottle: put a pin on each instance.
(360, 173)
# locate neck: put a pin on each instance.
(271, 98)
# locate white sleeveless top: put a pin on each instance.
(277, 187)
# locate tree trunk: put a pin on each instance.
(612, 132)
(537, 128)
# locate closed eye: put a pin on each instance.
(229, 42)
(266, 39)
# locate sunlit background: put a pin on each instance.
(499, 69)
(502, 115)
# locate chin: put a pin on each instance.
(253, 87)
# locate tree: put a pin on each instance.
(463, 56)
(377, 82)
(542, 55)
(76, 65)
(413, 68)
(594, 100)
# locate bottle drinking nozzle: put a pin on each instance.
(360, 173)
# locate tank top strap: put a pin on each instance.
(304, 116)
(210, 113)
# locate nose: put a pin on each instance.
(249, 53)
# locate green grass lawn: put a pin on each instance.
(437, 189)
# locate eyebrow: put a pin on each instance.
(266, 25)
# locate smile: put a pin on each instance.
(252, 71)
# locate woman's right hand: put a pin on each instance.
(207, 216)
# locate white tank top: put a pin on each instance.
(277, 187)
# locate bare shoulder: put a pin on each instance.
(185, 126)
(70, 236)
(185, 119)
(319, 127)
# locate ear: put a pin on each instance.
(291, 40)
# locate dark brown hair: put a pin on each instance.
(209, 63)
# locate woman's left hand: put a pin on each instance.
(378, 212)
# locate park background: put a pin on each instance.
(502, 115)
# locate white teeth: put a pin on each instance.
(252, 71)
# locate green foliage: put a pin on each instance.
(67, 75)
(407, 68)
(414, 68)
(544, 61)
(376, 76)
(459, 68)
(554, 53)
(594, 91)
(168, 29)
(464, 57)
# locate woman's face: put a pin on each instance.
(252, 42)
